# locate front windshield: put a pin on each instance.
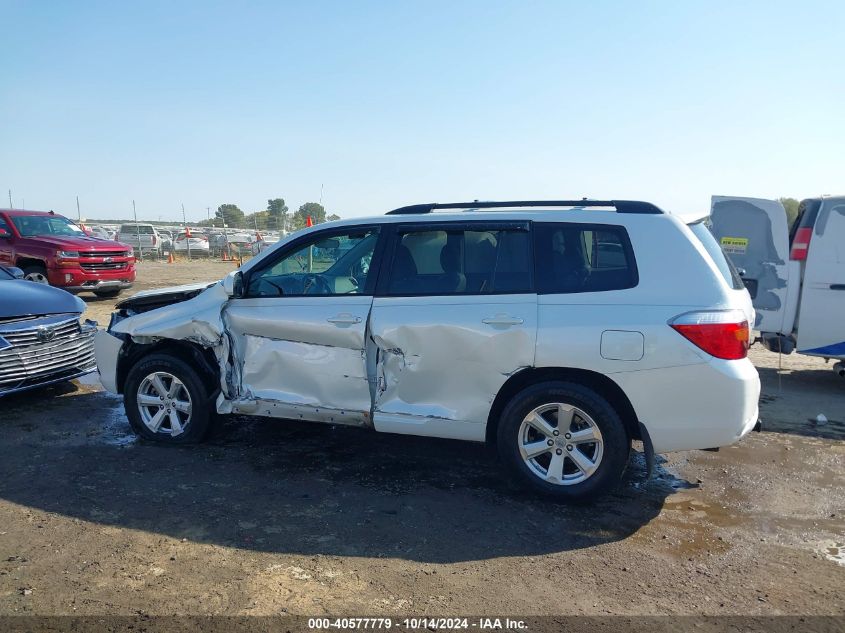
(4, 274)
(31, 225)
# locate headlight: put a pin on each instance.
(67, 254)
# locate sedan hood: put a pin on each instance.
(22, 298)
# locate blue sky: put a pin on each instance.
(391, 103)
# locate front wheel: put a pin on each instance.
(166, 400)
(111, 293)
(36, 273)
(564, 440)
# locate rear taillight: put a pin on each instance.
(722, 333)
(154, 240)
(801, 244)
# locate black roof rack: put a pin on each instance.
(621, 206)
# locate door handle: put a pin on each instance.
(837, 286)
(344, 319)
(502, 319)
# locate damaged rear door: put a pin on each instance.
(298, 332)
(455, 315)
(754, 234)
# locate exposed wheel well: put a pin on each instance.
(23, 262)
(594, 380)
(200, 358)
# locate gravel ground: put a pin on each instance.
(277, 517)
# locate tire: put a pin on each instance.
(107, 294)
(194, 424)
(36, 273)
(554, 469)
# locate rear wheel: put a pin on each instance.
(36, 273)
(166, 400)
(564, 440)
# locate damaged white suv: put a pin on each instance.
(559, 330)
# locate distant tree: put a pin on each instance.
(791, 207)
(231, 214)
(277, 212)
(259, 221)
(333, 217)
(313, 209)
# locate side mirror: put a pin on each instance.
(233, 284)
(16, 272)
(4, 233)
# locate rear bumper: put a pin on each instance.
(706, 405)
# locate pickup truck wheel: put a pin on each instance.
(107, 294)
(166, 401)
(36, 273)
(563, 440)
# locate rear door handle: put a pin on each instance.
(837, 286)
(344, 319)
(502, 319)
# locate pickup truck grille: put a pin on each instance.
(104, 254)
(41, 350)
(96, 266)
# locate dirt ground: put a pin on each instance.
(277, 517)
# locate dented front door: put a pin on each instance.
(754, 234)
(298, 334)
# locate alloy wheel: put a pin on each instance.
(164, 403)
(560, 443)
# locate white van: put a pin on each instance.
(796, 279)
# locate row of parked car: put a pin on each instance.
(560, 331)
(150, 241)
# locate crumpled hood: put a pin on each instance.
(147, 300)
(174, 290)
(21, 298)
(190, 313)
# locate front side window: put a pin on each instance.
(335, 264)
(31, 225)
(582, 258)
(449, 262)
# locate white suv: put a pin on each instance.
(559, 330)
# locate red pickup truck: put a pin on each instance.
(51, 249)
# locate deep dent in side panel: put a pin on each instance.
(407, 385)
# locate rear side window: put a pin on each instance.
(582, 258)
(725, 266)
(450, 262)
(134, 229)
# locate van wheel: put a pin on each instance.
(36, 273)
(166, 401)
(564, 440)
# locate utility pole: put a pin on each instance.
(208, 215)
(187, 232)
(11, 205)
(78, 212)
(137, 232)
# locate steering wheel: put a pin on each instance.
(314, 284)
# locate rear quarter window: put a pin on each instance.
(571, 258)
(726, 268)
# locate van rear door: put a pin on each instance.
(821, 330)
(753, 233)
